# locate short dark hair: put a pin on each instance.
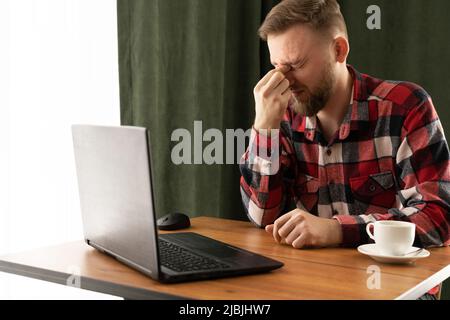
(321, 15)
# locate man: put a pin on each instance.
(352, 149)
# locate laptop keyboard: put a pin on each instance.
(180, 259)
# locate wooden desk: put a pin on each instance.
(308, 274)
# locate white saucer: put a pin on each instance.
(371, 250)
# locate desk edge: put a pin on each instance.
(127, 292)
(426, 285)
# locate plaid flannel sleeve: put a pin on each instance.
(423, 176)
(265, 168)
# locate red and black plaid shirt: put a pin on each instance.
(388, 161)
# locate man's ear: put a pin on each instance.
(341, 49)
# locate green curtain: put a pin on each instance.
(187, 60)
(182, 61)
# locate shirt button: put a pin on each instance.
(372, 188)
(329, 152)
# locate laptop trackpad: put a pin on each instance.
(203, 244)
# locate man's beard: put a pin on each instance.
(318, 98)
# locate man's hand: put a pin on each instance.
(301, 229)
(272, 96)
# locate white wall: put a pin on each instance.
(58, 66)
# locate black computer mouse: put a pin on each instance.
(173, 221)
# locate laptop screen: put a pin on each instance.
(115, 187)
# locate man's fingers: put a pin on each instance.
(286, 229)
(274, 82)
(265, 79)
(300, 242)
(269, 75)
(286, 92)
(278, 224)
(293, 235)
(282, 87)
(283, 219)
(270, 229)
(275, 234)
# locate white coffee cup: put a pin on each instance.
(392, 237)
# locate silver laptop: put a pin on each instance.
(117, 204)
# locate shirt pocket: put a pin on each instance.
(308, 192)
(375, 189)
